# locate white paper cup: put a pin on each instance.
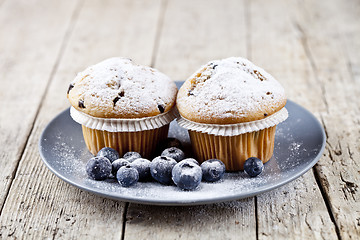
(138, 134)
(234, 143)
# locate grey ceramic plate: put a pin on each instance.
(299, 143)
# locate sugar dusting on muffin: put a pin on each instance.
(231, 90)
(117, 87)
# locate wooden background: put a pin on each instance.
(311, 47)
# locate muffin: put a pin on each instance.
(231, 108)
(122, 105)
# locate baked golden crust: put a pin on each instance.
(118, 88)
(230, 91)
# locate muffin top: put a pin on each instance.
(230, 91)
(118, 88)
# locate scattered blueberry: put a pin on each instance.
(170, 142)
(127, 176)
(175, 153)
(118, 163)
(191, 160)
(160, 169)
(253, 166)
(187, 175)
(131, 156)
(109, 153)
(98, 168)
(142, 165)
(213, 170)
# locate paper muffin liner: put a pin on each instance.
(234, 143)
(123, 124)
(234, 129)
(234, 150)
(143, 142)
(139, 135)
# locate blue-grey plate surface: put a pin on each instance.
(299, 143)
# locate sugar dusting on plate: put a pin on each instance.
(63, 150)
(71, 161)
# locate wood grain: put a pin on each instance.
(24, 84)
(297, 210)
(40, 205)
(336, 70)
(229, 220)
(195, 32)
(311, 47)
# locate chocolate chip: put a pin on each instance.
(122, 93)
(190, 93)
(268, 93)
(161, 108)
(265, 114)
(81, 104)
(115, 100)
(214, 66)
(70, 87)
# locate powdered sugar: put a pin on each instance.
(299, 143)
(231, 88)
(70, 156)
(117, 87)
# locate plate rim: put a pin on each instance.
(163, 202)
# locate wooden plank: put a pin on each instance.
(1, 2)
(25, 69)
(333, 35)
(228, 220)
(40, 205)
(297, 210)
(195, 32)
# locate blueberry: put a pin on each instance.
(127, 176)
(253, 166)
(175, 153)
(98, 168)
(213, 170)
(191, 160)
(187, 175)
(170, 142)
(109, 153)
(160, 169)
(142, 165)
(131, 156)
(118, 163)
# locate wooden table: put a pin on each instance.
(311, 47)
